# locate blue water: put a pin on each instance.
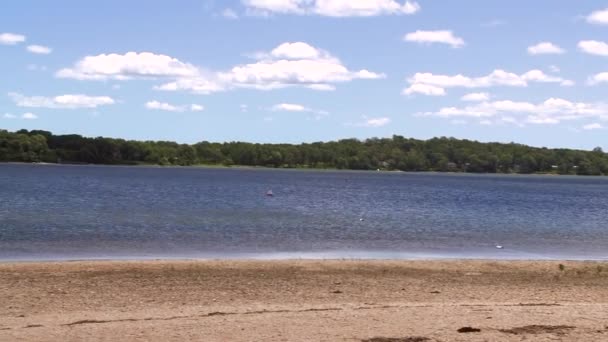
(89, 212)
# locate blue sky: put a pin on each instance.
(308, 70)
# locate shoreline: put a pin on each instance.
(248, 167)
(282, 260)
(304, 300)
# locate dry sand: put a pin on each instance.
(304, 301)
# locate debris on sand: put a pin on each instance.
(539, 329)
(398, 339)
(468, 330)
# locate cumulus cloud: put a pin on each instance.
(275, 6)
(298, 50)
(29, 116)
(11, 38)
(551, 111)
(197, 85)
(292, 107)
(476, 97)
(321, 87)
(332, 8)
(539, 76)
(157, 105)
(128, 66)
(9, 116)
(593, 47)
(602, 77)
(545, 48)
(364, 8)
(69, 101)
(593, 126)
(196, 108)
(431, 37)
(292, 64)
(39, 49)
(375, 122)
(422, 82)
(288, 64)
(599, 17)
(424, 89)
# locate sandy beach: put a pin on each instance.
(304, 301)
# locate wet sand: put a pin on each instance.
(304, 301)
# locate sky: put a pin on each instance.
(291, 71)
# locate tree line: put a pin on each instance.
(395, 153)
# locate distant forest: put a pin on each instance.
(396, 153)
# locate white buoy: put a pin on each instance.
(361, 219)
(499, 247)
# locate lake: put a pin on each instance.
(59, 212)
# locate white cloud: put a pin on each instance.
(299, 64)
(282, 73)
(593, 126)
(229, 14)
(11, 38)
(69, 101)
(276, 6)
(424, 89)
(602, 77)
(332, 8)
(554, 68)
(539, 76)
(364, 8)
(128, 66)
(157, 105)
(476, 97)
(321, 87)
(39, 49)
(196, 85)
(196, 108)
(544, 48)
(430, 37)
(9, 116)
(375, 122)
(289, 64)
(593, 47)
(551, 111)
(29, 116)
(290, 107)
(598, 17)
(297, 50)
(425, 81)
